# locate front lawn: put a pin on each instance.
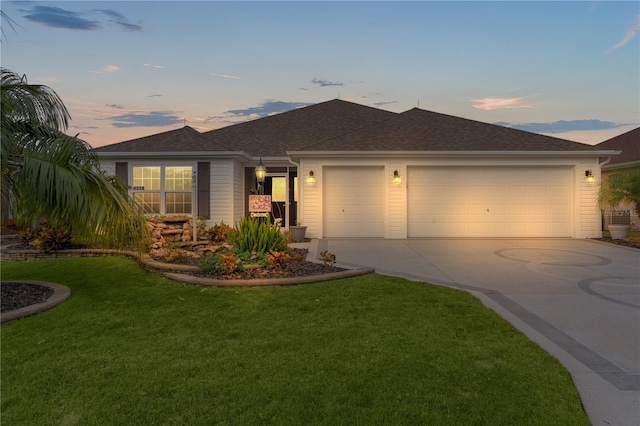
(130, 347)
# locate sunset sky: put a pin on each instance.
(127, 69)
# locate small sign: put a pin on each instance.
(260, 203)
(259, 214)
(138, 188)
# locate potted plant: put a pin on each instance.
(623, 187)
(297, 233)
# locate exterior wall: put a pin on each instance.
(585, 214)
(238, 192)
(222, 192)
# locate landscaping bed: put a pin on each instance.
(19, 295)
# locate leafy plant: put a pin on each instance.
(252, 258)
(278, 259)
(249, 235)
(328, 258)
(52, 238)
(219, 232)
(222, 262)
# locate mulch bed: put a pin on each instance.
(19, 295)
(293, 269)
(626, 243)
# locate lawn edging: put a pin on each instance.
(267, 282)
(60, 294)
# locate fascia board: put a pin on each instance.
(431, 154)
(181, 154)
(621, 165)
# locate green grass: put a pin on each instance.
(130, 347)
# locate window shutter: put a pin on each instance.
(204, 183)
(122, 172)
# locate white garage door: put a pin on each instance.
(353, 201)
(489, 201)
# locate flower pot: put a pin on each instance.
(618, 232)
(297, 233)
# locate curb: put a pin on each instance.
(60, 294)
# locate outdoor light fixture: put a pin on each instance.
(261, 173)
(590, 177)
(396, 177)
(311, 178)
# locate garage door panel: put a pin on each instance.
(353, 202)
(489, 201)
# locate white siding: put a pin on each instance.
(222, 190)
(238, 192)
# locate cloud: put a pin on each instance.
(224, 76)
(114, 106)
(266, 108)
(153, 66)
(489, 104)
(627, 37)
(385, 103)
(325, 83)
(129, 27)
(60, 18)
(155, 95)
(57, 17)
(107, 68)
(149, 119)
(563, 126)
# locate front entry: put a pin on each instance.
(276, 186)
(281, 183)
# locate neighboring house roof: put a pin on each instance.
(184, 139)
(274, 135)
(420, 130)
(629, 144)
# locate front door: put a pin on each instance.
(276, 186)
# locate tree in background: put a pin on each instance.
(622, 187)
(49, 175)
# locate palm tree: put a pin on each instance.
(47, 174)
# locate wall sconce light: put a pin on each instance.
(590, 177)
(396, 177)
(311, 178)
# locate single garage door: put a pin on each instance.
(489, 201)
(353, 201)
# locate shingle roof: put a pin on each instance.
(628, 143)
(184, 139)
(274, 135)
(420, 130)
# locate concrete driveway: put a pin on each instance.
(578, 299)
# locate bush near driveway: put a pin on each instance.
(130, 347)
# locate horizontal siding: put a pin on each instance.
(221, 202)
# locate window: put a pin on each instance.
(163, 189)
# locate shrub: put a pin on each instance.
(49, 238)
(249, 235)
(222, 262)
(278, 259)
(218, 233)
(328, 258)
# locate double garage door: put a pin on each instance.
(452, 202)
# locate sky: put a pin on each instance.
(127, 69)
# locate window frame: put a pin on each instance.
(162, 190)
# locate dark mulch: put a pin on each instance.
(18, 295)
(626, 243)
